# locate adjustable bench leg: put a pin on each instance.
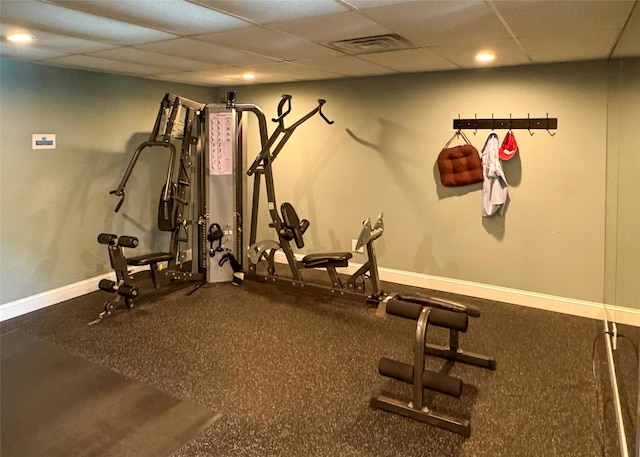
(417, 409)
(333, 275)
(154, 275)
(455, 354)
(459, 426)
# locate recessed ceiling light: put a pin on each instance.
(485, 56)
(248, 76)
(19, 37)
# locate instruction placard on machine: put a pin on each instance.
(220, 144)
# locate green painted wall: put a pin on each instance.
(380, 155)
(622, 262)
(55, 202)
(560, 236)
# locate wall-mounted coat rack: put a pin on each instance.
(527, 123)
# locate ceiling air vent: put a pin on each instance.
(371, 44)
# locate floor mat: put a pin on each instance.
(54, 403)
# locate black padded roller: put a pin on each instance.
(107, 285)
(304, 225)
(128, 241)
(442, 304)
(437, 317)
(449, 319)
(431, 380)
(108, 239)
(128, 291)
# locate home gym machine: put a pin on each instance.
(289, 227)
(199, 184)
(439, 313)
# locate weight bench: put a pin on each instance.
(123, 285)
(152, 260)
(418, 375)
(405, 306)
(294, 228)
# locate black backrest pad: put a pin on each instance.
(292, 222)
(168, 211)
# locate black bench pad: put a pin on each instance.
(326, 259)
(148, 259)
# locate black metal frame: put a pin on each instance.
(350, 287)
(179, 209)
(417, 408)
(447, 314)
(271, 146)
(453, 351)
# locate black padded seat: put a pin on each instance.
(326, 259)
(148, 259)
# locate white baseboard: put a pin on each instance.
(563, 305)
(580, 308)
(50, 297)
(54, 296)
(536, 300)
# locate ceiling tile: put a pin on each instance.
(596, 44)
(188, 48)
(203, 78)
(541, 18)
(270, 43)
(143, 57)
(175, 16)
(628, 46)
(55, 42)
(507, 52)
(410, 60)
(363, 4)
(331, 27)
(266, 78)
(437, 23)
(629, 43)
(105, 65)
(347, 66)
(267, 11)
(212, 42)
(55, 19)
(13, 51)
(230, 76)
(293, 71)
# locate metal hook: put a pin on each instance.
(549, 131)
(320, 103)
(510, 122)
(529, 118)
(475, 124)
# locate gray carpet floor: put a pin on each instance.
(56, 404)
(293, 373)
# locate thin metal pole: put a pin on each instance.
(616, 395)
(418, 359)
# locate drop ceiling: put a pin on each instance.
(215, 42)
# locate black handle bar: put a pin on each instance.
(310, 114)
(119, 194)
(282, 113)
(320, 103)
(288, 131)
(286, 99)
